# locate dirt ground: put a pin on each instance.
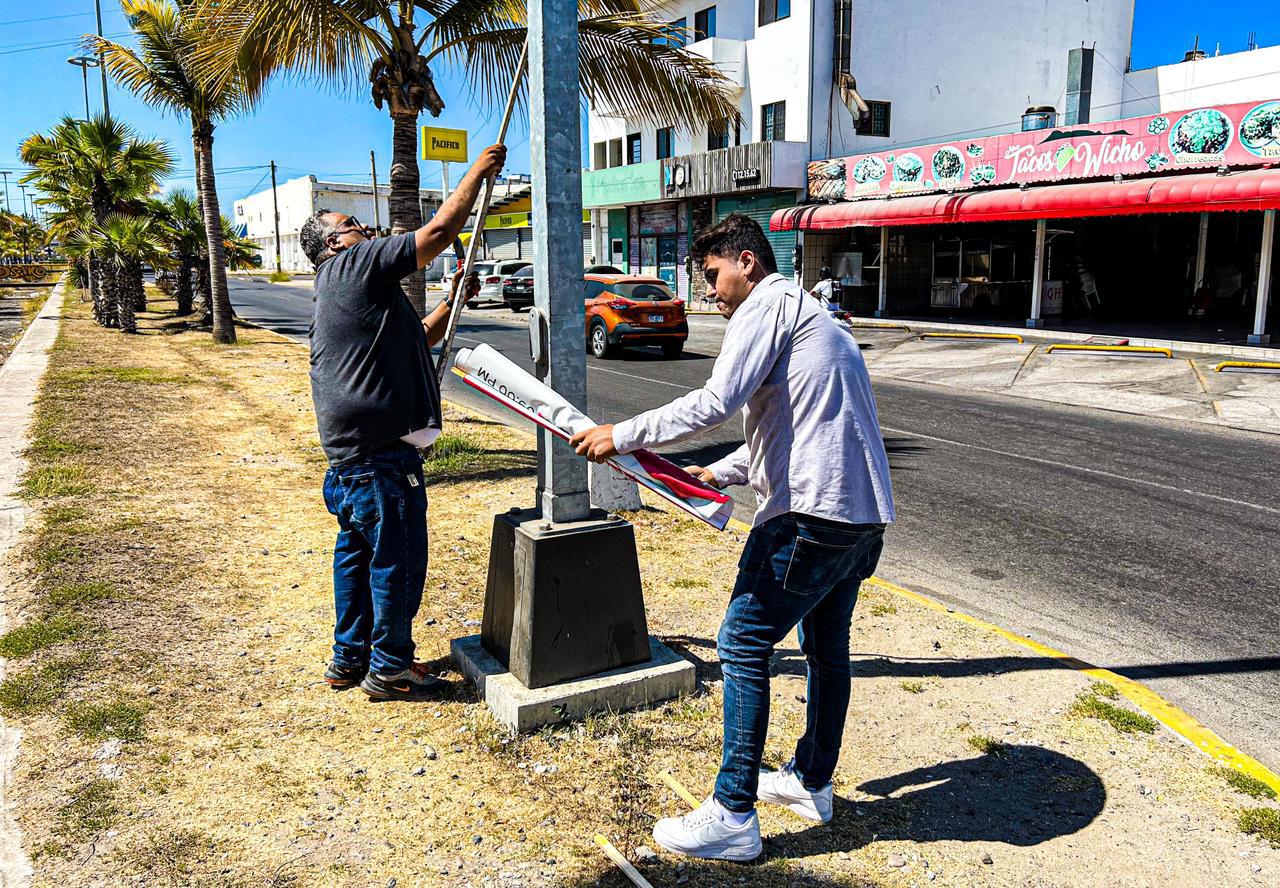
(176, 593)
(17, 307)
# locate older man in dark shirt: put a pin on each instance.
(377, 403)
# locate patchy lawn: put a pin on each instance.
(173, 618)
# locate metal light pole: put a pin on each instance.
(373, 173)
(84, 63)
(106, 107)
(5, 173)
(556, 154)
(275, 214)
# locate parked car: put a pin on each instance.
(626, 310)
(517, 290)
(604, 269)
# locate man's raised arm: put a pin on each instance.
(434, 237)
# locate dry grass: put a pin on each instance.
(181, 524)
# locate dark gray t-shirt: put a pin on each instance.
(371, 374)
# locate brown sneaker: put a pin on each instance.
(414, 683)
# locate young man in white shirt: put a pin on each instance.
(816, 460)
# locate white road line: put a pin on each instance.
(686, 388)
(1098, 472)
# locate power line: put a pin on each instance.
(46, 18)
(36, 47)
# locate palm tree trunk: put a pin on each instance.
(406, 212)
(96, 291)
(109, 283)
(182, 294)
(224, 329)
(139, 287)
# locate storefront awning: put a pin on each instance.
(1251, 190)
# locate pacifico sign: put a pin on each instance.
(1246, 134)
(449, 145)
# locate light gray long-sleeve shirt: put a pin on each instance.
(813, 442)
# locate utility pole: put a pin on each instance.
(106, 107)
(373, 172)
(275, 213)
(5, 173)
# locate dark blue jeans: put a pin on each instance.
(379, 558)
(795, 569)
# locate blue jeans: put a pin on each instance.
(795, 569)
(379, 558)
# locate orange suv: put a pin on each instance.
(628, 309)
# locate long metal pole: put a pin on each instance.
(102, 69)
(1037, 275)
(1259, 335)
(373, 173)
(1201, 247)
(5, 173)
(275, 213)
(882, 301)
(555, 148)
(483, 210)
(84, 72)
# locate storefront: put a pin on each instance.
(1165, 219)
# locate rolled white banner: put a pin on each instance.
(487, 371)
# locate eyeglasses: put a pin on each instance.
(352, 224)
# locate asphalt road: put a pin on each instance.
(1141, 545)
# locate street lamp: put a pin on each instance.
(84, 63)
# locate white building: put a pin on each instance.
(921, 68)
(1201, 80)
(299, 198)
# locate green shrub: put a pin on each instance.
(1242, 782)
(1123, 720)
(1261, 822)
(39, 634)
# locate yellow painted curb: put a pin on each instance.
(1246, 365)
(1117, 349)
(1013, 337)
(1187, 726)
(858, 326)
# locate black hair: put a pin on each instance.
(732, 235)
(314, 236)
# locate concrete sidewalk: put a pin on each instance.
(1185, 386)
(19, 382)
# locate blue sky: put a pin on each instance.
(308, 128)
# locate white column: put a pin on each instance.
(1259, 336)
(1037, 275)
(1200, 251)
(882, 307)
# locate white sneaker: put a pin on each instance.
(783, 787)
(706, 833)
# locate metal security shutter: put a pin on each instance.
(588, 249)
(503, 243)
(761, 209)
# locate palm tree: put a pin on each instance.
(125, 242)
(629, 62)
(88, 170)
(159, 72)
(242, 253)
(186, 241)
(20, 236)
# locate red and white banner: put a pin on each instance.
(487, 371)
(1241, 135)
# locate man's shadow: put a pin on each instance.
(1020, 795)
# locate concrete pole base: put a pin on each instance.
(880, 314)
(664, 676)
(1035, 323)
(563, 600)
(1259, 338)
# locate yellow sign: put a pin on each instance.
(518, 220)
(439, 143)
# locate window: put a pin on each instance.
(773, 122)
(615, 152)
(633, 148)
(774, 10)
(678, 36)
(601, 156)
(666, 142)
(718, 134)
(704, 23)
(876, 122)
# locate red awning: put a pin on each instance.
(1251, 190)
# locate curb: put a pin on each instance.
(1137, 351)
(19, 385)
(1247, 367)
(1011, 337)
